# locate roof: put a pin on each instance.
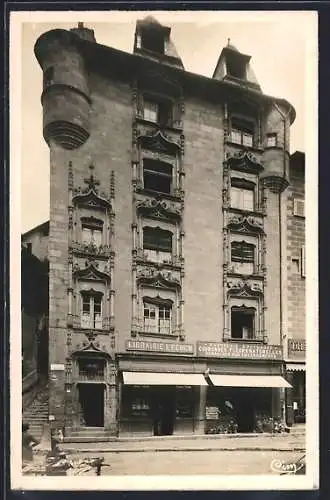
(41, 228)
(95, 53)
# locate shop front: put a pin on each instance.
(244, 403)
(296, 375)
(160, 404)
(246, 391)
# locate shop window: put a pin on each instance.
(157, 176)
(153, 40)
(157, 111)
(271, 140)
(242, 195)
(242, 323)
(91, 313)
(242, 132)
(157, 244)
(91, 368)
(157, 318)
(48, 76)
(242, 257)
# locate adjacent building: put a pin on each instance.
(296, 273)
(167, 239)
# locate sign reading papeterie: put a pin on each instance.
(296, 348)
(161, 347)
(241, 351)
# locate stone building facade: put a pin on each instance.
(296, 255)
(168, 196)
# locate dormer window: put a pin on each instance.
(242, 132)
(153, 40)
(157, 176)
(236, 67)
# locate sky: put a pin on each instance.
(278, 44)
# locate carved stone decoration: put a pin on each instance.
(159, 141)
(91, 335)
(275, 182)
(243, 224)
(89, 196)
(159, 209)
(157, 279)
(244, 160)
(244, 288)
(90, 273)
(90, 349)
(112, 185)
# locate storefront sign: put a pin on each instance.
(241, 351)
(161, 347)
(296, 348)
(211, 413)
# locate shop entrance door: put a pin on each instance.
(91, 398)
(245, 404)
(164, 406)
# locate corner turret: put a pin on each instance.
(65, 97)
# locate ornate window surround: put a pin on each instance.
(87, 205)
(248, 298)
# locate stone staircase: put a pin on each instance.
(86, 435)
(36, 413)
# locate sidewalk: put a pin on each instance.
(242, 442)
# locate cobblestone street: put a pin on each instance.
(192, 462)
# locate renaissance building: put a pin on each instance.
(168, 244)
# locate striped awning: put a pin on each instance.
(248, 381)
(154, 378)
(295, 367)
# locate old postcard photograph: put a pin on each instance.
(163, 254)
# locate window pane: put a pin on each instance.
(242, 324)
(236, 197)
(271, 140)
(236, 136)
(86, 304)
(97, 237)
(97, 305)
(150, 111)
(248, 199)
(247, 140)
(86, 234)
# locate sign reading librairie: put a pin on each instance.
(241, 351)
(166, 347)
(296, 348)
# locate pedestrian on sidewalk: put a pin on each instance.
(28, 443)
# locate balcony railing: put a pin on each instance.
(160, 257)
(87, 322)
(91, 248)
(88, 375)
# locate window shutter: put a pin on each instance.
(299, 207)
(139, 104)
(303, 262)
(176, 114)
